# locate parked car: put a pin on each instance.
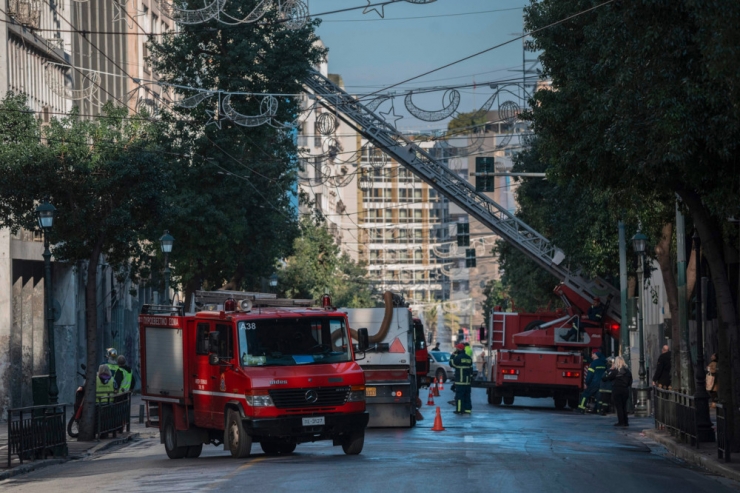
(439, 366)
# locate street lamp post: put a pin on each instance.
(704, 430)
(45, 215)
(639, 242)
(166, 242)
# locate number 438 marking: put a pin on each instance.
(250, 326)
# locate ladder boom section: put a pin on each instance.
(456, 189)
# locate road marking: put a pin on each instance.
(237, 471)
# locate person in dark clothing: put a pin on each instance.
(595, 314)
(124, 377)
(436, 347)
(622, 378)
(463, 365)
(593, 379)
(662, 377)
(604, 400)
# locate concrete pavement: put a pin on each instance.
(526, 447)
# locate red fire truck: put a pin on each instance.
(530, 358)
(250, 368)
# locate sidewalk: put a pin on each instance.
(705, 456)
(76, 450)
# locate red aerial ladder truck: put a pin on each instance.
(576, 290)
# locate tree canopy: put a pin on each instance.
(318, 267)
(232, 212)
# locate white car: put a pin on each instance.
(439, 366)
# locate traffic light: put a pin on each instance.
(463, 234)
(470, 258)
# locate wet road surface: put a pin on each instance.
(528, 447)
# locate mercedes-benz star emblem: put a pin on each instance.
(311, 396)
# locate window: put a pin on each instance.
(201, 338)
(463, 234)
(417, 215)
(319, 198)
(484, 183)
(225, 341)
(484, 165)
(470, 257)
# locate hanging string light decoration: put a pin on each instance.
(57, 86)
(453, 97)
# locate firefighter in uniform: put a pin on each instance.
(593, 379)
(605, 390)
(463, 365)
(595, 314)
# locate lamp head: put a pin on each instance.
(166, 242)
(45, 215)
(639, 242)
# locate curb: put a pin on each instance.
(690, 455)
(33, 466)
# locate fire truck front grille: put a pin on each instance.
(311, 397)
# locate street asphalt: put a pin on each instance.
(528, 447)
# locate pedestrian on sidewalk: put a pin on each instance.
(662, 376)
(622, 378)
(463, 365)
(605, 390)
(593, 379)
(712, 380)
(123, 378)
(104, 385)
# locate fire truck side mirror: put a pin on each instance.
(482, 334)
(213, 359)
(363, 340)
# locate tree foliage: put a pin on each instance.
(317, 267)
(464, 122)
(642, 110)
(232, 214)
(108, 180)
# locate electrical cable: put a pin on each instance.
(494, 47)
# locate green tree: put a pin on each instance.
(317, 267)
(233, 216)
(108, 182)
(465, 122)
(641, 110)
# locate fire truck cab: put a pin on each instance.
(245, 371)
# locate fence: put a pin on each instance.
(35, 430)
(676, 413)
(724, 442)
(113, 414)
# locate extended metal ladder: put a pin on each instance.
(457, 190)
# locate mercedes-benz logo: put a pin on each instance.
(311, 396)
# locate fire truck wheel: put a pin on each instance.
(170, 439)
(353, 444)
(509, 400)
(194, 451)
(277, 448)
(239, 442)
(441, 375)
(560, 403)
(494, 397)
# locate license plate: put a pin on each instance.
(511, 377)
(370, 392)
(314, 421)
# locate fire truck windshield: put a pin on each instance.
(293, 341)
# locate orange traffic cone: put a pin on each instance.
(438, 422)
(430, 400)
(441, 385)
(436, 388)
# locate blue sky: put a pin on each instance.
(371, 53)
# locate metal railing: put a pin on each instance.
(113, 414)
(35, 430)
(676, 413)
(724, 439)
